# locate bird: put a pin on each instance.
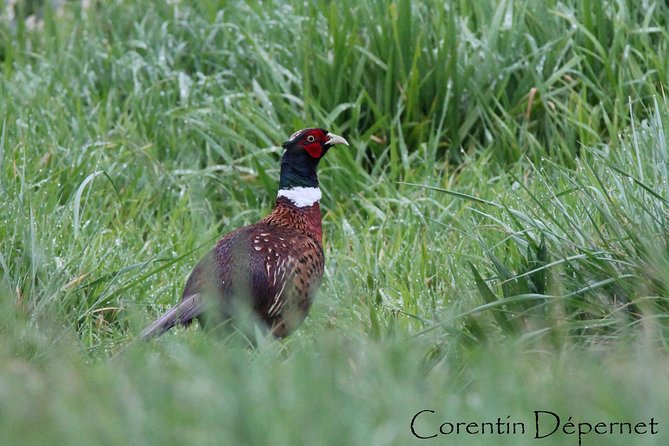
(273, 268)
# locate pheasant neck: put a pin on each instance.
(298, 170)
(301, 196)
(297, 202)
(305, 219)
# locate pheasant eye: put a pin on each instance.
(311, 138)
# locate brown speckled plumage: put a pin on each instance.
(274, 266)
(306, 220)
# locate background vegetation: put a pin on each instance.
(496, 236)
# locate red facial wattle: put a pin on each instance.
(315, 141)
(314, 149)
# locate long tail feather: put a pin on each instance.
(181, 314)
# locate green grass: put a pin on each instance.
(496, 235)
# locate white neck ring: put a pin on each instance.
(301, 196)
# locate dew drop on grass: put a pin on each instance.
(348, 229)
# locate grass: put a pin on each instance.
(496, 236)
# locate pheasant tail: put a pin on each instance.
(183, 313)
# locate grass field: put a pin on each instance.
(496, 236)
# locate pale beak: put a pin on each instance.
(335, 139)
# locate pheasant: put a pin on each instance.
(272, 268)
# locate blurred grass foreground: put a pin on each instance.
(496, 236)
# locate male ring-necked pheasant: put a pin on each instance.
(272, 267)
